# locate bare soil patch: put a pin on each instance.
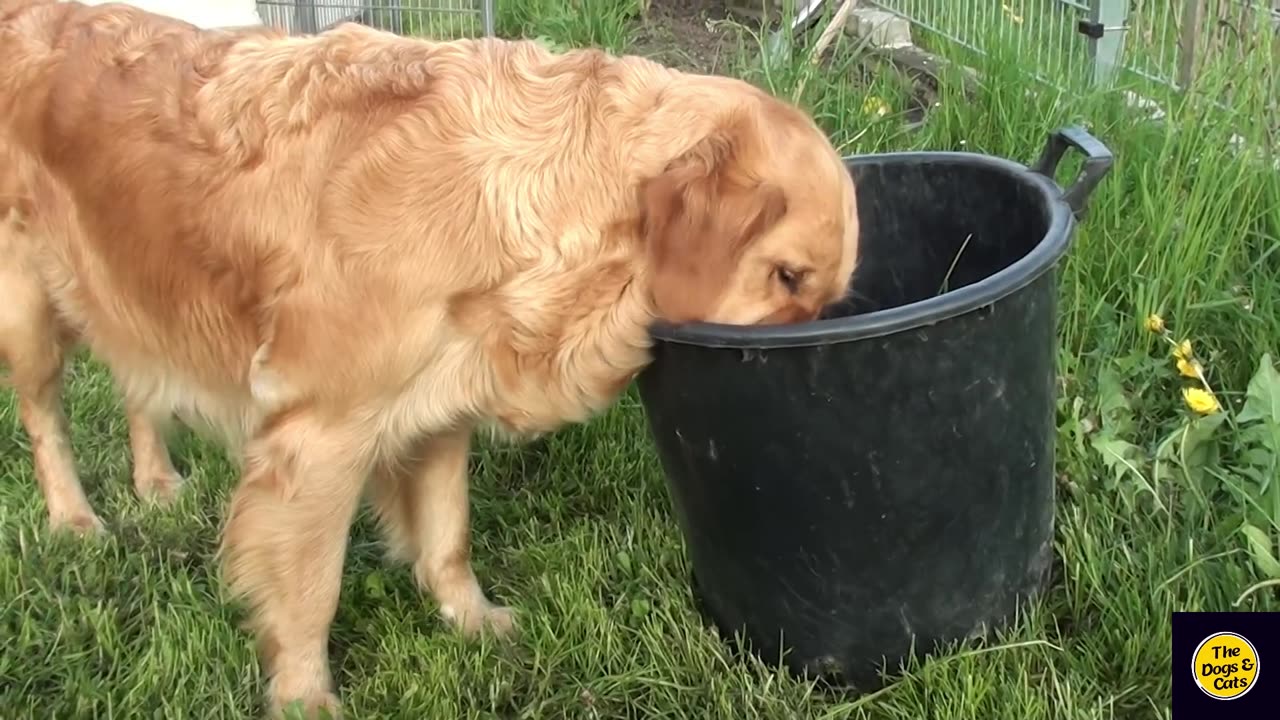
(676, 33)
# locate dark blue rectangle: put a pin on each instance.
(1260, 631)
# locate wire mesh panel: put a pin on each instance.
(1168, 39)
(1151, 41)
(1043, 30)
(428, 18)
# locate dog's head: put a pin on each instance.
(756, 223)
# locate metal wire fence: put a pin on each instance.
(1168, 40)
(1164, 41)
(431, 18)
(1042, 30)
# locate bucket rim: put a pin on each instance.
(902, 318)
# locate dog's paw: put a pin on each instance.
(487, 618)
(82, 523)
(318, 705)
(160, 488)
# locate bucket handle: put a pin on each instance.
(1098, 161)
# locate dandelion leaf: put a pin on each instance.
(1113, 403)
(1263, 396)
(1119, 456)
(1192, 447)
(1261, 548)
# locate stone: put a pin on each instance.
(879, 29)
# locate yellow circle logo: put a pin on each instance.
(1225, 666)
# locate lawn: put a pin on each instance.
(1159, 508)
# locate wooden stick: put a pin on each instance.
(1192, 17)
(837, 24)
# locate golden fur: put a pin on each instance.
(346, 252)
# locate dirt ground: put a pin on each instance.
(675, 33)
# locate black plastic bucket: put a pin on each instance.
(866, 486)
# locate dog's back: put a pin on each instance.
(211, 170)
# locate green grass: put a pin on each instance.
(601, 23)
(577, 532)
(440, 19)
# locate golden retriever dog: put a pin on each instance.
(348, 252)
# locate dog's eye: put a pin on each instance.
(790, 278)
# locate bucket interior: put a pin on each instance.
(934, 224)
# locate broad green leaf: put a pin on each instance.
(375, 585)
(1192, 448)
(1197, 436)
(1263, 396)
(1254, 474)
(1121, 457)
(623, 558)
(1260, 549)
(1113, 404)
(639, 607)
(1072, 424)
(1258, 456)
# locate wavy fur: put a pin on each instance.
(345, 252)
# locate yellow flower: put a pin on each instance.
(873, 105)
(1200, 400)
(1182, 350)
(1154, 323)
(1015, 17)
(1190, 368)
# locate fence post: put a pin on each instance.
(304, 16)
(1192, 19)
(1106, 52)
(488, 16)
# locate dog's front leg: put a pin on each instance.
(424, 507)
(284, 547)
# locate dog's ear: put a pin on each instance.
(698, 217)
